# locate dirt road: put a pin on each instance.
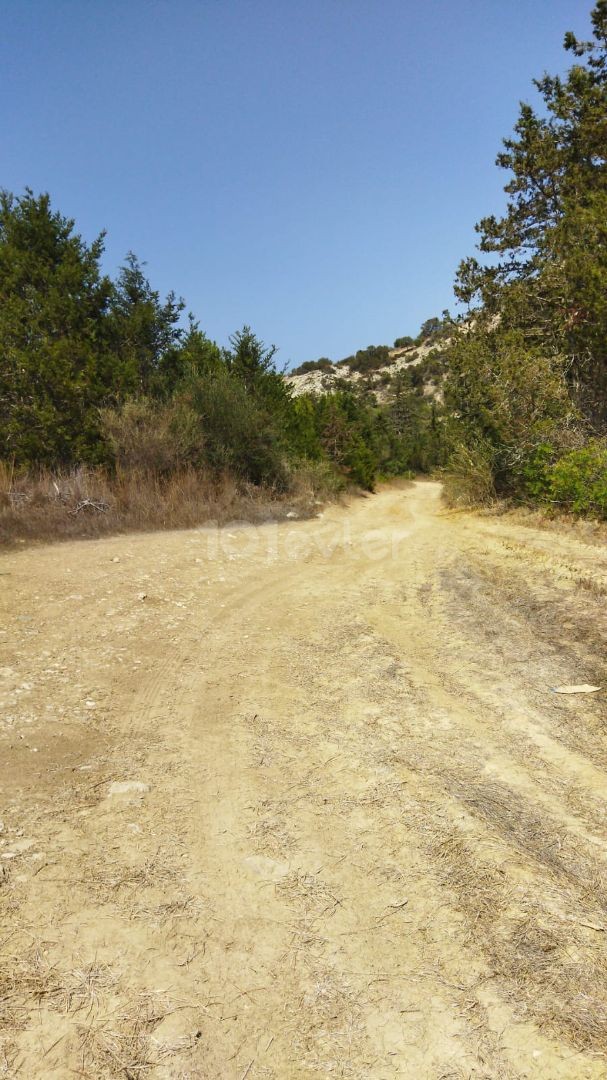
(299, 801)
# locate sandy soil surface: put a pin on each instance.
(300, 801)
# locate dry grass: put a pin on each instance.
(29, 979)
(586, 529)
(468, 482)
(113, 880)
(88, 502)
(109, 1040)
(124, 1043)
(541, 938)
(309, 894)
(181, 908)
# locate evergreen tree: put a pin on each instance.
(56, 362)
(548, 274)
(252, 363)
(146, 330)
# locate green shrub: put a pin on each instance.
(240, 433)
(578, 481)
(504, 393)
(435, 328)
(536, 473)
(361, 464)
(370, 359)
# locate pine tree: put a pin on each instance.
(146, 330)
(56, 363)
(548, 274)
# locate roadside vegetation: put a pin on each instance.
(509, 400)
(526, 383)
(115, 412)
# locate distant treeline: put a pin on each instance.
(375, 357)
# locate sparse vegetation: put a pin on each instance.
(435, 329)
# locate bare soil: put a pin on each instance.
(298, 800)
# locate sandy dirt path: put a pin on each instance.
(299, 801)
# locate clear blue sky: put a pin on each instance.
(311, 167)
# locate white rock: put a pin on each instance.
(128, 787)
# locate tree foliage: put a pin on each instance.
(530, 370)
(147, 332)
(56, 361)
(102, 371)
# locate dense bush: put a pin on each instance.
(434, 329)
(430, 369)
(240, 434)
(308, 366)
(507, 395)
(578, 480)
(370, 359)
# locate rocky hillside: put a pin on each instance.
(379, 368)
